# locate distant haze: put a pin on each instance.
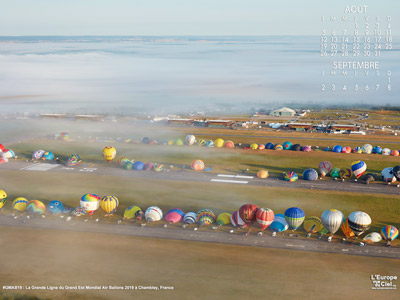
(132, 75)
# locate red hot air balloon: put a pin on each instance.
(248, 214)
(264, 217)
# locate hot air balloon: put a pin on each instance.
(324, 168)
(159, 167)
(247, 213)
(296, 147)
(346, 229)
(369, 178)
(38, 154)
(197, 165)
(345, 174)
(386, 151)
(358, 167)
(205, 217)
(389, 233)
(79, 211)
(190, 218)
(55, 207)
(264, 217)
(72, 160)
(377, 150)
(2, 148)
(3, 160)
(47, 156)
(128, 165)
(20, 204)
(278, 147)
(357, 150)
(3, 198)
(178, 142)
(310, 174)
(132, 212)
(287, 145)
(337, 149)
(90, 202)
(394, 153)
(219, 143)
(335, 172)
(372, 237)
(279, 223)
(8, 153)
(387, 175)
(396, 172)
(109, 204)
(153, 214)
(236, 220)
(122, 161)
(171, 142)
(36, 207)
(190, 139)
(138, 165)
(254, 146)
(223, 219)
(269, 146)
(312, 225)
(261, 147)
(359, 222)
(332, 219)
(148, 166)
(366, 149)
(306, 148)
(294, 216)
(229, 144)
(346, 149)
(210, 143)
(291, 176)
(174, 215)
(262, 174)
(109, 153)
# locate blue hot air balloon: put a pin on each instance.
(294, 217)
(337, 149)
(55, 207)
(310, 174)
(279, 223)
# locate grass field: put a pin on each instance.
(195, 270)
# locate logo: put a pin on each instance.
(384, 282)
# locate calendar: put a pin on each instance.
(355, 49)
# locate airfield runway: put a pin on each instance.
(188, 175)
(210, 236)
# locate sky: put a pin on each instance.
(176, 17)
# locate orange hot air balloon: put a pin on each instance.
(346, 229)
(264, 217)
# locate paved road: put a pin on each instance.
(330, 185)
(206, 235)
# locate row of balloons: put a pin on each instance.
(219, 143)
(330, 222)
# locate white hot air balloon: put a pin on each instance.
(153, 213)
(359, 222)
(332, 219)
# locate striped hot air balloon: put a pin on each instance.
(358, 167)
(247, 213)
(346, 229)
(20, 204)
(205, 217)
(345, 174)
(36, 207)
(332, 219)
(389, 232)
(90, 202)
(197, 165)
(291, 176)
(109, 204)
(236, 220)
(359, 222)
(294, 217)
(264, 217)
(190, 218)
(312, 224)
(153, 214)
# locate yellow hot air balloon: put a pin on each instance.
(109, 204)
(224, 219)
(312, 225)
(219, 143)
(254, 146)
(20, 203)
(109, 153)
(262, 174)
(3, 198)
(346, 229)
(131, 211)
